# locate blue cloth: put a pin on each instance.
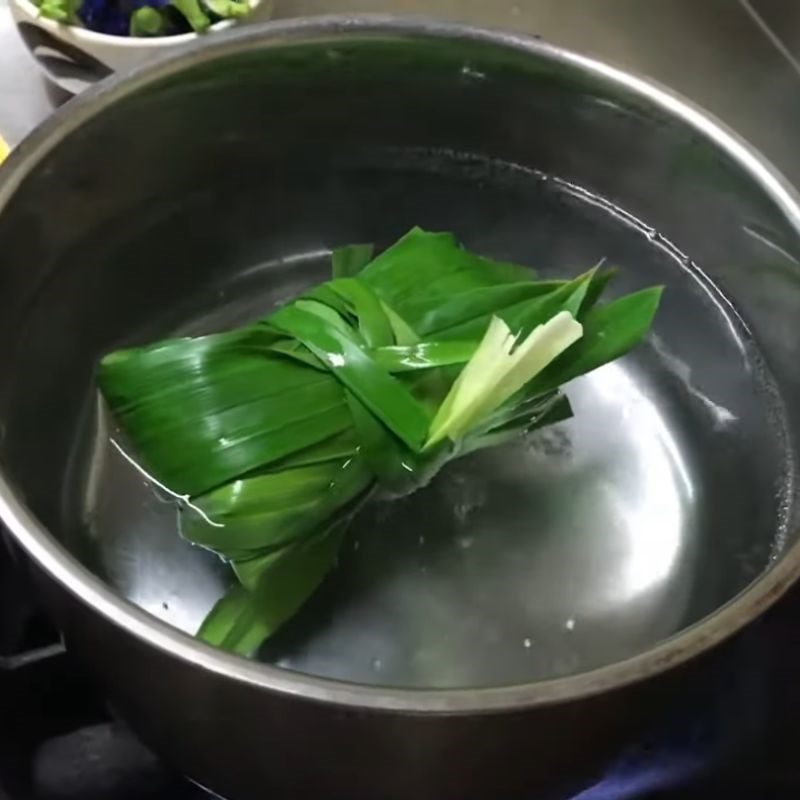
(113, 16)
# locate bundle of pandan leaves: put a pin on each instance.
(275, 434)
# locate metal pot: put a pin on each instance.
(143, 203)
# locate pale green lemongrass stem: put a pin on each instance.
(497, 370)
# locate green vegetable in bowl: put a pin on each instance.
(147, 21)
(275, 434)
(143, 17)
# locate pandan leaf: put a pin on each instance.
(243, 618)
(385, 397)
(523, 317)
(338, 447)
(373, 322)
(201, 415)
(502, 428)
(204, 435)
(331, 317)
(433, 265)
(599, 282)
(477, 304)
(403, 334)
(270, 510)
(609, 331)
(393, 464)
(348, 261)
(237, 622)
(276, 433)
(426, 355)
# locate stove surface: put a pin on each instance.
(57, 739)
(735, 735)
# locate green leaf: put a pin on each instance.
(234, 623)
(509, 424)
(269, 510)
(325, 295)
(373, 322)
(276, 433)
(392, 464)
(403, 334)
(530, 414)
(599, 282)
(425, 355)
(194, 453)
(433, 264)
(338, 447)
(299, 352)
(382, 394)
(522, 317)
(331, 316)
(203, 412)
(609, 331)
(557, 411)
(123, 372)
(242, 619)
(437, 316)
(348, 261)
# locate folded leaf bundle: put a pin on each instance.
(276, 433)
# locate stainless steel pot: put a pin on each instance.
(665, 517)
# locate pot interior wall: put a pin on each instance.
(204, 197)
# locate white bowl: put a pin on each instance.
(74, 58)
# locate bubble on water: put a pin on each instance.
(468, 71)
(466, 495)
(570, 624)
(527, 643)
(554, 442)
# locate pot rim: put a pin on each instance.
(66, 570)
